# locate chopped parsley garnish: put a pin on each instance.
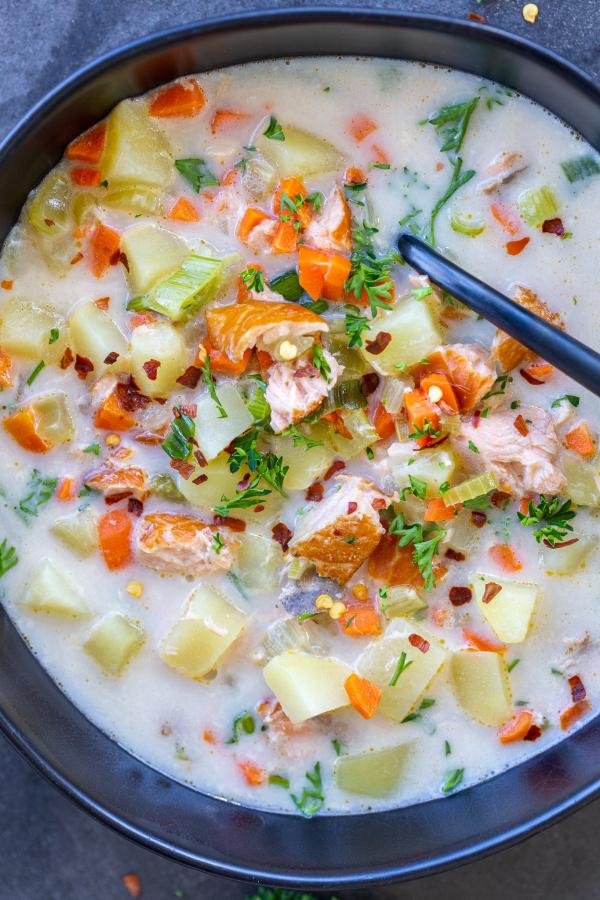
(451, 122)
(422, 292)
(280, 781)
(93, 449)
(40, 489)
(369, 272)
(196, 172)
(209, 381)
(415, 716)
(245, 451)
(425, 430)
(253, 279)
(452, 780)
(512, 664)
(312, 798)
(316, 306)
(274, 131)
(425, 541)
(31, 378)
(572, 398)
(380, 166)
(316, 200)
(447, 748)
(458, 179)
(258, 406)
(370, 452)
(355, 325)
(242, 724)
(551, 516)
(268, 468)
(320, 363)
(178, 443)
(8, 557)
(218, 542)
(337, 746)
(401, 666)
(416, 487)
(54, 335)
(499, 386)
(472, 447)
(301, 439)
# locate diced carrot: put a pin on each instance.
(184, 98)
(285, 239)
(506, 217)
(23, 428)
(312, 265)
(440, 382)
(513, 248)
(580, 440)
(363, 694)
(437, 511)
(517, 728)
(209, 736)
(251, 218)
(7, 284)
(336, 277)
(379, 155)
(480, 642)
(391, 565)
(6, 373)
(221, 364)
(539, 370)
(104, 249)
(360, 621)
(354, 175)
(253, 774)
(421, 412)
(132, 884)
(264, 359)
(111, 416)
(66, 489)
(504, 556)
(88, 147)
(83, 176)
(361, 126)
(524, 505)
(573, 713)
(224, 119)
(384, 422)
(144, 318)
(114, 536)
(184, 211)
(294, 188)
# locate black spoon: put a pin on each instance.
(566, 353)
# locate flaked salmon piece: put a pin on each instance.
(393, 565)
(111, 480)
(342, 531)
(331, 230)
(501, 170)
(288, 740)
(469, 369)
(296, 389)
(507, 351)
(524, 463)
(236, 328)
(183, 545)
(260, 239)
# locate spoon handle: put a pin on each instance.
(568, 354)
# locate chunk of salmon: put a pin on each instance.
(523, 463)
(507, 351)
(288, 740)
(183, 545)
(112, 480)
(296, 389)
(236, 328)
(501, 170)
(469, 369)
(393, 565)
(342, 531)
(331, 230)
(260, 239)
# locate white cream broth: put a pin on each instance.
(182, 724)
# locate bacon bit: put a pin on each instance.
(530, 379)
(541, 370)
(135, 506)
(130, 396)
(369, 383)
(120, 257)
(200, 479)
(379, 343)
(282, 534)
(513, 248)
(209, 736)
(102, 303)
(83, 366)
(200, 458)
(460, 595)
(336, 466)
(189, 409)
(166, 730)
(571, 714)
(378, 503)
(553, 226)
(315, 492)
(533, 734)
(491, 590)
(499, 499)
(478, 519)
(7, 284)
(439, 166)
(75, 259)
(476, 418)
(259, 507)
(229, 521)
(504, 556)
(560, 544)
(521, 425)
(577, 688)
(253, 775)
(419, 642)
(116, 498)
(243, 484)
(132, 884)
(476, 17)
(352, 507)
(111, 358)
(456, 555)
(184, 468)
(151, 367)
(190, 377)
(66, 359)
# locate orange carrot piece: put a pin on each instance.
(294, 188)
(513, 248)
(437, 511)
(539, 370)
(363, 694)
(182, 99)
(114, 536)
(581, 441)
(83, 176)
(242, 291)
(6, 373)
(222, 365)
(111, 416)
(209, 736)
(384, 422)
(285, 239)
(132, 884)
(264, 359)
(104, 249)
(380, 156)
(360, 621)
(506, 217)
(517, 728)
(312, 265)
(361, 126)
(440, 381)
(7, 284)
(505, 557)
(336, 276)
(421, 412)
(253, 774)
(480, 642)
(66, 489)
(224, 119)
(573, 713)
(251, 218)
(22, 427)
(184, 211)
(354, 175)
(88, 147)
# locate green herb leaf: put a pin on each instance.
(572, 398)
(320, 363)
(551, 516)
(316, 200)
(452, 780)
(370, 272)
(426, 430)
(41, 365)
(472, 447)
(178, 443)
(217, 543)
(196, 172)
(401, 666)
(242, 724)
(355, 325)
(209, 381)
(312, 798)
(458, 180)
(93, 448)
(451, 122)
(280, 781)
(54, 335)
(511, 665)
(300, 439)
(274, 131)
(253, 279)
(499, 386)
(8, 557)
(288, 285)
(40, 489)
(580, 168)
(447, 748)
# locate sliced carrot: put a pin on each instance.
(6, 372)
(251, 218)
(580, 440)
(573, 713)
(230, 176)
(505, 557)
(506, 217)
(184, 211)
(312, 266)
(253, 774)
(379, 155)
(114, 536)
(83, 176)
(285, 239)
(513, 248)
(360, 620)
(66, 489)
(185, 98)
(540, 371)
(7, 284)
(384, 422)
(111, 416)
(421, 412)
(480, 642)
(354, 175)
(517, 728)
(363, 694)
(336, 277)
(132, 884)
(221, 364)
(391, 565)
(88, 147)
(224, 119)
(104, 249)
(23, 428)
(440, 382)
(437, 511)
(361, 126)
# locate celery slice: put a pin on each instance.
(538, 204)
(402, 601)
(189, 288)
(465, 223)
(48, 210)
(473, 487)
(581, 167)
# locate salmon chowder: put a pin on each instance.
(280, 516)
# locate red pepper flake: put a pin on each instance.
(553, 226)
(200, 458)
(229, 522)
(190, 377)
(133, 884)
(478, 519)
(200, 479)
(151, 367)
(116, 498)
(336, 466)
(513, 248)
(50, 223)
(83, 366)
(379, 343)
(135, 506)
(184, 468)
(352, 507)
(369, 383)
(130, 397)
(282, 534)
(456, 555)
(476, 17)
(111, 358)
(66, 359)
(499, 499)
(460, 595)
(315, 492)
(533, 734)
(120, 257)
(189, 409)
(491, 590)
(102, 302)
(75, 259)
(521, 425)
(476, 418)
(577, 688)
(415, 640)
(259, 508)
(379, 503)
(529, 378)
(243, 484)
(557, 546)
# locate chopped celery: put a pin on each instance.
(566, 560)
(510, 610)
(48, 210)
(152, 254)
(466, 223)
(433, 466)
(287, 285)
(50, 591)
(305, 685)
(162, 343)
(300, 154)
(481, 685)
(470, 489)
(401, 601)
(363, 434)
(94, 335)
(184, 292)
(538, 204)
(84, 208)
(392, 395)
(136, 151)
(581, 167)
(285, 634)
(351, 359)
(255, 546)
(375, 773)
(414, 334)
(162, 485)
(137, 200)
(113, 642)
(215, 431)
(78, 531)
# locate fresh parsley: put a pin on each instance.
(572, 398)
(218, 542)
(369, 272)
(269, 469)
(312, 797)
(178, 443)
(458, 180)
(34, 374)
(417, 487)
(424, 430)
(451, 123)
(8, 557)
(552, 518)
(499, 386)
(280, 781)
(242, 724)
(401, 667)
(94, 449)
(40, 489)
(209, 381)
(274, 131)
(472, 447)
(299, 439)
(253, 279)
(196, 172)
(54, 335)
(452, 780)
(425, 541)
(355, 325)
(320, 363)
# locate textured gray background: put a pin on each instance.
(51, 850)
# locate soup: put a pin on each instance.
(280, 516)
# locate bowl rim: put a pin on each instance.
(316, 879)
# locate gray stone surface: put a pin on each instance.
(49, 848)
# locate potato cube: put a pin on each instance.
(434, 466)
(213, 431)
(300, 154)
(510, 610)
(306, 685)
(481, 685)
(152, 253)
(414, 334)
(566, 560)
(114, 641)
(375, 773)
(51, 591)
(94, 335)
(78, 531)
(161, 343)
(136, 151)
(25, 330)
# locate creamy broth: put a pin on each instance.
(519, 661)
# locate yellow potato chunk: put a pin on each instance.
(78, 531)
(114, 641)
(300, 154)
(414, 334)
(94, 335)
(374, 774)
(152, 253)
(306, 685)
(51, 591)
(136, 151)
(305, 465)
(258, 561)
(25, 330)
(53, 416)
(161, 343)
(434, 466)
(480, 682)
(214, 431)
(510, 611)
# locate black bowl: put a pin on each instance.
(160, 813)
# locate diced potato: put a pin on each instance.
(209, 626)
(258, 178)
(258, 561)
(306, 685)
(375, 773)
(138, 200)
(379, 662)
(51, 591)
(136, 151)
(161, 342)
(53, 418)
(566, 560)
(114, 641)
(214, 433)
(25, 330)
(510, 612)
(357, 423)
(414, 334)
(48, 209)
(152, 253)
(94, 335)
(434, 466)
(300, 154)
(481, 685)
(78, 531)
(57, 252)
(583, 480)
(305, 465)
